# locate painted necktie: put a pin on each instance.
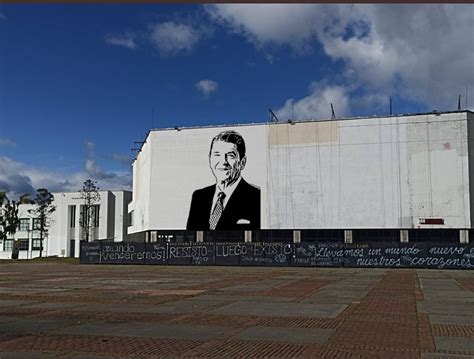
(217, 212)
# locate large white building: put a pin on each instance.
(393, 172)
(410, 171)
(65, 233)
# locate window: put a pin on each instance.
(37, 223)
(24, 224)
(8, 245)
(23, 244)
(72, 216)
(95, 215)
(36, 244)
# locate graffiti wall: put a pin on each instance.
(420, 255)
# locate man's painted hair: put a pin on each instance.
(231, 137)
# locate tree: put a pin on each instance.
(43, 211)
(25, 199)
(87, 220)
(8, 217)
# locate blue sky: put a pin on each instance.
(80, 83)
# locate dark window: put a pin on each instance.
(36, 223)
(72, 248)
(36, 244)
(24, 224)
(224, 236)
(23, 244)
(269, 235)
(72, 216)
(376, 235)
(322, 235)
(95, 215)
(8, 245)
(173, 236)
(434, 235)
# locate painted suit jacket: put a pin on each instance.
(242, 211)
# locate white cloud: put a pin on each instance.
(17, 178)
(206, 87)
(90, 146)
(172, 38)
(264, 24)
(317, 105)
(126, 160)
(93, 169)
(418, 51)
(270, 58)
(126, 40)
(434, 62)
(7, 142)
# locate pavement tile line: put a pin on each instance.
(453, 330)
(466, 284)
(104, 345)
(376, 334)
(339, 353)
(245, 349)
(230, 321)
(301, 322)
(377, 316)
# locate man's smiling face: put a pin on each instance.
(225, 163)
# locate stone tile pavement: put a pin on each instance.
(65, 310)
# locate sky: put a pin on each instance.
(80, 83)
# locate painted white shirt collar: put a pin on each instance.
(228, 192)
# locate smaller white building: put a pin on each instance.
(65, 233)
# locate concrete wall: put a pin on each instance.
(384, 172)
(369, 173)
(173, 164)
(112, 226)
(470, 149)
(437, 153)
(139, 209)
(22, 213)
(122, 200)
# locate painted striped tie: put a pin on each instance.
(217, 212)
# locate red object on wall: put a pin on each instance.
(431, 220)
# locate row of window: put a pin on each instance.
(24, 224)
(23, 244)
(312, 235)
(94, 215)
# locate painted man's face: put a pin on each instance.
(225, 162)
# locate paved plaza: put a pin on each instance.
(66, 310)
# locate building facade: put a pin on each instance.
(65, 233)
(410, 171)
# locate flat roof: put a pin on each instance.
(179, 128)
(307, 120)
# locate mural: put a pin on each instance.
(231, 203)
(203, 179)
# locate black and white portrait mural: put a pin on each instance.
(231, 203)
(202, 179)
